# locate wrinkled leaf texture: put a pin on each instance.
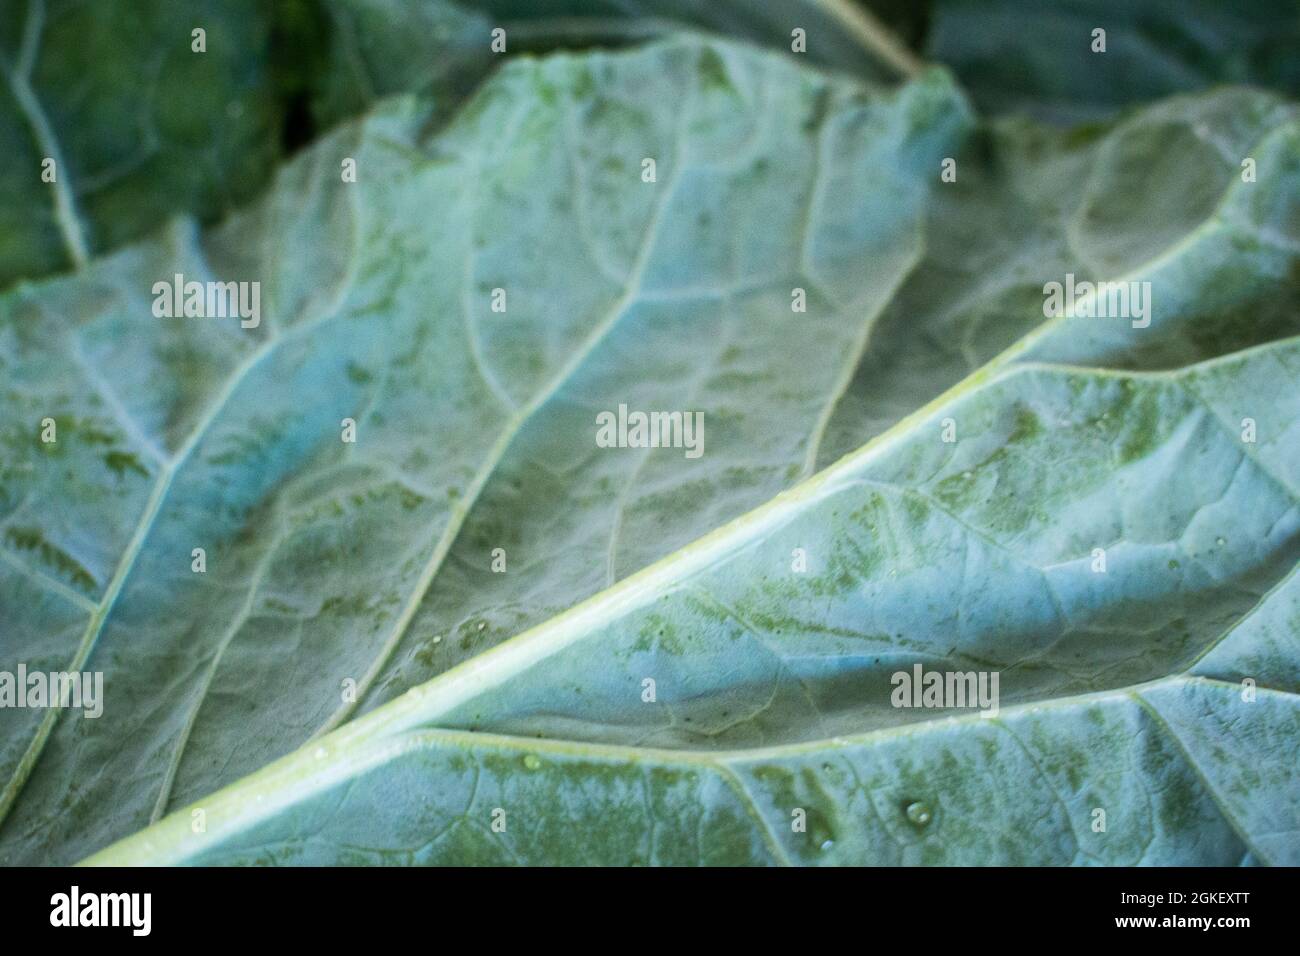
(479, 690)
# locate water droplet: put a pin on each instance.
(437, 638)
(820, 832)
(918, 813)
(531, 762)
(1220, 542)
(482, 625)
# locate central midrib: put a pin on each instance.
(505, 658)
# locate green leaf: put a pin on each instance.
(388, 46)
(774, 693)
(329, 562)
(140, 125)
(1156, 198)
(1037, 56)
(97, 89)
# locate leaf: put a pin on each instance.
(141, 126)
(1118, 688)
(388, 46)
(92, 86)
(329, 562)
(1158, 197)
(326, 564)
(1038, 57)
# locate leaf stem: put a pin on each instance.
(875, 37)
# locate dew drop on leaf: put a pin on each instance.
(918, 813)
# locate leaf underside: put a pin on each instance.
(370, 562)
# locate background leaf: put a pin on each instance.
(1035, 56)
(94, 86)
